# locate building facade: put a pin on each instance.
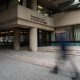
(27, 24)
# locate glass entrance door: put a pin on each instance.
(44, 38)
(24, 39)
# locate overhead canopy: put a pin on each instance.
(55, 5)
(60, 5)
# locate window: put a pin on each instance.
(44, 38)
(44, 10)
(4, 4)
(6, 39)
(24, 38)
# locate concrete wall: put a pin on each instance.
(22, 16)
(25, 14)
(8, 15)
(67, 18)
(11, 3)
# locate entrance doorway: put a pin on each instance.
(44, 38)
(6, 39)
(24, 38)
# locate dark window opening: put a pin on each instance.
(24, 39)
(44, 10)
(4, 4)
(6, 39)
(44, 38)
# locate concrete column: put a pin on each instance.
(34, 5)
(17, 40)
(33, 39)
(24, 3)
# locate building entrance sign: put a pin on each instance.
(38, 20)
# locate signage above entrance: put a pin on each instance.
(38, 20)
(34, 17)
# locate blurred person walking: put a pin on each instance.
(64, 56)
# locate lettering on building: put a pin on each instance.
(38, 20)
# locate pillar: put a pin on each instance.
(34, 5)
(33, 39)
(17, 40)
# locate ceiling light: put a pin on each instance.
(40, 7)
(46, 14)
(19, 0)
(39, 11)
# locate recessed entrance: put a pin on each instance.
(24, 38)
(6, 39)
(44, 38)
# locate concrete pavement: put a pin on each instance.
(45, 59)
(24, 65)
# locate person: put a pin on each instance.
(63, 56)
(60, 39)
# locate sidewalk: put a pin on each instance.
(45, 59)
(25, 65)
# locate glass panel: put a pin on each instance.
(24, 39)
(44, 10)
(6, 39)
(68, 35)
(44, 38)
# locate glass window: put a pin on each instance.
(77, 32)
(4, 5)
(44, 10)
(68, 32)
(44, 38)
(24, 38)
(6, 39)
(77, 35)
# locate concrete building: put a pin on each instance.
(31, 24)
